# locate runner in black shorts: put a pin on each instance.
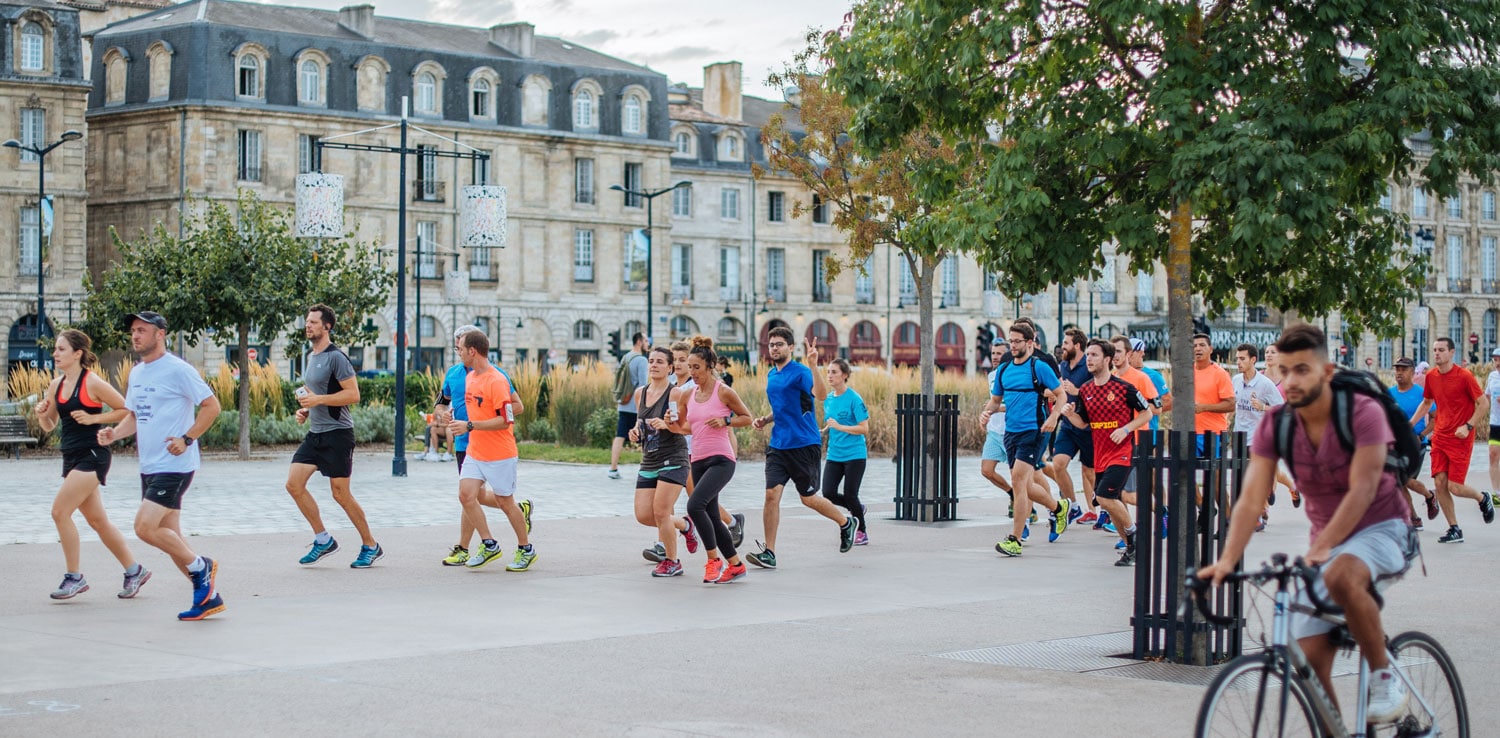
(795, 450)
(75, 401)
(328, 388)
(664, 460)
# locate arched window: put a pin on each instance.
(536, 94)
(479, 99)
(729, 328)
(684, 143)
(583, 330)
(631, 116)
(729, 148)
(950, 335)
(33, 47)
(115, 75)
(248, 82)
(426, 93)
(159, 63)
(682, 326)
(428, 326)
(908, 334)
(583, 110)
(310, 80)
(370, 92)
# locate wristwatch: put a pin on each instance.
(188, 440)
(1469, 425)
(469, 425)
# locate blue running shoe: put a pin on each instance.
(203, 581)
(202, 610)
(1025, 531)
(1109, 527)
(1119, 545)
(1102, 520)
(318, 551)
(367, 557)
(1074, 513)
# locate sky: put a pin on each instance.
(673, 37)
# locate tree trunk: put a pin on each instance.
(924, 271)
(244, 390)
(1182, 492)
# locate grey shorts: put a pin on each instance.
(1387, 549)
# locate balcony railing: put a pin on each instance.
(1458, 285)
(777, 293)
(729, 294)
(949, 299)
(583, 272)
(864, 294)
(1148, 304)
(821, 293)
(482, 272)
(1490, 286)
(427, 190)
(680, 293)
(429, 269)
(1109, 297)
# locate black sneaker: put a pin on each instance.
(1432, 506)
(737, 529)
(1127, 558)
(1487, 506)
(846, 533)
(1454, 535)
(1416, 522)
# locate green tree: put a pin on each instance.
(1246, 145)
(899, 196)
(237, 269)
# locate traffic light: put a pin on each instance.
(983, 338)
(614, 345)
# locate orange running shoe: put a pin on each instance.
(712, 570)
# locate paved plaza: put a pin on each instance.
(926, 631)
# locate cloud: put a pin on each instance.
(474, 13)
(597, 37)
(680, 53)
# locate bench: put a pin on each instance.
(13, 433)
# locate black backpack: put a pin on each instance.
(1404, 459)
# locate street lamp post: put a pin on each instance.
(1419, 333)
(650, 195)
(41, 199)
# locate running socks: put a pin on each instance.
(323, 538)
(134, 570)
(197, 565)
(491, 543)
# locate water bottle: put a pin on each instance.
(671, 412)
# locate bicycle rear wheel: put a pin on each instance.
(1434, 677)
(1245, 700)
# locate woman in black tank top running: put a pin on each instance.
(664, 462)
(75, 401)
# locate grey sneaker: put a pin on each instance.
(133, 583)
(71, 587)
(657, 553)
(482, 556)
(737, 529)
(522, 561)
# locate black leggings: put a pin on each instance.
(709, 477)
(852, 473)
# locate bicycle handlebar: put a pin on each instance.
(1278, 570)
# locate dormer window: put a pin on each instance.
(310, 77)
(426, 93)
(479, 99)
(583, 110)
(729, 148)
(33, 47)
(249, 76)
(631, 122)
(683, 142)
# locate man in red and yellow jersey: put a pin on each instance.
(492, 453)
(1114, 410)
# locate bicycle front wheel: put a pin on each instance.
(1433, 677)
(1245, 700)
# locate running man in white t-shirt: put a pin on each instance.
(164, 391)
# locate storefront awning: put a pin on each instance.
(1225, 335)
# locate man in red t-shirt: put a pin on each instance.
(1114, 410)
(1459, 400)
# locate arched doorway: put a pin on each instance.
(765, 333)
(906, 350)
(864, 344)
(949, 354)
(826, 337)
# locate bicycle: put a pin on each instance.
(1276, 692)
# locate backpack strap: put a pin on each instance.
(1343, 419)
(1283, 420)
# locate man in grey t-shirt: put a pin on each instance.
(328, 389)
(634, 366)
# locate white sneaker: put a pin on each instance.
(446, 457)
(1387, 700)
(430, 456)
(614, 473)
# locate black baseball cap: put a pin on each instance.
(1404, 363)
(147, 316)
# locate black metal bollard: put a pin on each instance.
(926, 458)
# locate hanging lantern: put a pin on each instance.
(481, 216)
(320, 205)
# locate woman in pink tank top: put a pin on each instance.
(713, 409)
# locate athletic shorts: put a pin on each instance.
(1024, 446)
(1386, 548)
(994, 447)
(331, 451)
(165, 489)
(1078, 444)
(800, 465)
(96, 460)
(1495, 435)
(1110, 482)
(623, 423)
(500, 475)
(460, 455)
(1452, 455)
(677, 475)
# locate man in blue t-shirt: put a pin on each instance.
(794, 453)
(453, 386)
(1408, 396)
(1023, 386)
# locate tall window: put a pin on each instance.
(479, 265)
(31, 236)
(248, 165)
(631, 122)
(729, 148)
(583, 330)
(1384, 350)
(776, 206)
(684, 143)
(426, 93)
(1106, 282)
(312, 80)
(583, 110)
(1385, 201)
(1487, 206)
(427, 246)
(776, 274)
(632, 182)
(729, 273)
(1456, 206)
(427, 180)
(583, 255)
(908, 283)
(864, 282)
(729, 203)
(249, 76)
(583, 181)
(479, 99)
(1455, 258)
(682, 270)
(33, 130)
(682, 202)
(1456, 329)
(819, 210)
(33, 43)
(821, 291)
(1487, 260)
(950, 281)
(991, 281)
(1491, 328)
(306, 153)
(1419, 203)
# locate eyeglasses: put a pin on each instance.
(777, 344)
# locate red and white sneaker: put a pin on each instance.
(1089, 518)
(690, 537)
(667, 568)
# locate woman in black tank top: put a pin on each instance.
(664, 462)
(75, 401)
